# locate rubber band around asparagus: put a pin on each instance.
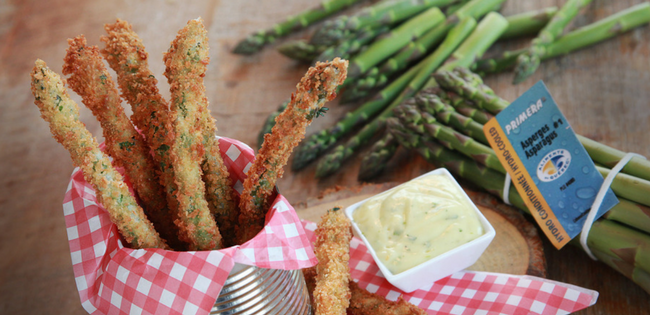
(62, 114)
(332, 248)
(185, 67)
(126, 55)
(316, 87)
(89, 78)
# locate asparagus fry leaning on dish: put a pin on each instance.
(332, 248)
(363, 302)
(316, 87)
(90, 79)
(126, 55)
(63, 116)
(185, 63)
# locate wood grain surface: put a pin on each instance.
(603, 91)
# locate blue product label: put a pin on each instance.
(559, 167)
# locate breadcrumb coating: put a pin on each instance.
(185, 63)
(62, 114)
(316, 87)
(89, 78)
(127, 56)
(332, 248)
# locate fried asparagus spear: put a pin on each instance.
(185, 63)
(363, 302)
(126, 55)
(316, 87)
(89, 78)
(62, 114)
(221, 197)
(331, 294)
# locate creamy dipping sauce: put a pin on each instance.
(417, 221)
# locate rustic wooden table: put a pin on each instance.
(603, 91)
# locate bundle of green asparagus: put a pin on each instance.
(585, 36)
(400, 68)
(410, 82)
(433, 124)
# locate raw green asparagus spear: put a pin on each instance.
(269, 123)
(384, 13)
(303, 51)
(598, 152)
(300, 50)
(394, 11)
(582, 37)
(374, 162)
(395, 40)
(256, 41)
(475, 45)
(609, 156)
(630, 213)
(638, 275)
(377, 77)
(528, 62)
(605, 236)
(505, 61)
(453, 8)
(352, 46)
(445, 113)
(629, 245)
(348, 28)
(629, 187)
(528, 23)
(424, 123)
(470, 110)
(451, 81)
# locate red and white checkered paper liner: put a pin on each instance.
(113, 279)
(471, 292)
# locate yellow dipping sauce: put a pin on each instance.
(417, 221)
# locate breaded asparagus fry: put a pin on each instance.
(316, 87)
(219, 193)
(332, 248)
(63, 116)
(127, 56)
(185, 67)
(363, 302)
(90, 79)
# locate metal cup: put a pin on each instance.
(253, 290)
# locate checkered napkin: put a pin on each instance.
(113, 279)
(471, 292)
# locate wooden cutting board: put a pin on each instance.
(516, 248)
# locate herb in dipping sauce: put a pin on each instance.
(417, 221)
